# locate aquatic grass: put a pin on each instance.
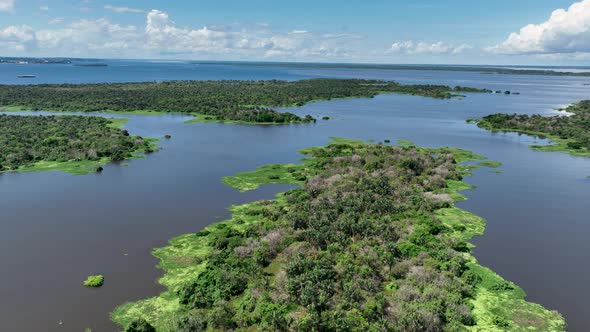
(94, 281)
(490, 163)
(117, 123)
(501, 306)
(73, 167)
(269, 174)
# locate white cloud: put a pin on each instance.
(162, 37)
(6, 5)
(165, 36)
(123, 9)
(90, 36)
(18, 38)
(566, 31)
(44, 8)
(410, 47)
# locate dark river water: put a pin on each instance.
(56, 228)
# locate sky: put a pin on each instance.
(524, 32)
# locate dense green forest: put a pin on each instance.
(370, 242)
(27, 140)
(569, 133)
(243, 101)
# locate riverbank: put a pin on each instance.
(263, 232)
(216, 101)
(568, 133)
(73, 144)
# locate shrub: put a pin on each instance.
(94, 281)
(140, 325)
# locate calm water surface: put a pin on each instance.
(55, 228)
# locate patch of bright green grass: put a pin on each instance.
(117, 122)
(94, 281)
(500, 305)
(404, 142)
(269, 174)
(12, 108)
(74, 167)
(490, 163)
(560, 145)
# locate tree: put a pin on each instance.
(140, 325)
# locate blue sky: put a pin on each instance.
(386, 31)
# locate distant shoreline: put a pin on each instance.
(581, 71)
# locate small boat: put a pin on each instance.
(26, 76)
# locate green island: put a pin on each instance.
(370, 241)
(209, 101)
(569, 133)
(73, 144)
(94, 281)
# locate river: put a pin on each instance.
(56, 228)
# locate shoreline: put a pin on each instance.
(185, 258)
(83, 167)
(250, 111)
(556, 144)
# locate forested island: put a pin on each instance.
(371, 241)
(569, 133)
(75, 144)
(232, 101)
(37, 61)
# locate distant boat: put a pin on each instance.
(26, 76)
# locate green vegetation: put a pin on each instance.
(94, 281)
(489, 163)
(228, 101)
(371, 241)
(569, 134)
(74, 144)
(268, 174)
(140, 325)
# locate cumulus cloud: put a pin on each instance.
(90, 35)
(123, 9)
(18, 38)
(161, 36)
(6, 5)
(566, 31)
(410, 47)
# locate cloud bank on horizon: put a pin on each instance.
(565, 35)
(566, 31)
